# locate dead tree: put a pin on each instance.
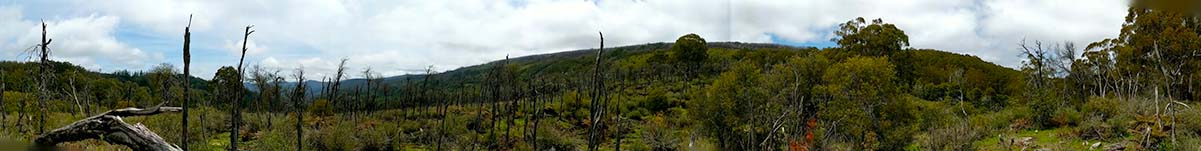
(297, 97)
(537, 112)
(237, 111)
(337, 82)
(73, 92)
(495, 91)
(277, 81)
(110, 127)
(598, 86)
(3, 114)
(620, 89)
(187, 84)
(44, 83)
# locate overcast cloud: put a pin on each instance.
(404, 36)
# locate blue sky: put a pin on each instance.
(397, 37)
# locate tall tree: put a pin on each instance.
(1159, 47)
(728, 107)
(690, 51)
(874, 39)
(874, 115)
(796, 77)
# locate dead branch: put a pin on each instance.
(111, 128)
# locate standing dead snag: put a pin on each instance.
(110, 128)
(237, 111)
(337, 82)
(43, 83)
(597, 89)
(3, 114)
(187, 84)
(297, 96)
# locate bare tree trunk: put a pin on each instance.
(237, 111)
(74, 94)
(297, 96)
(620, 88)
(494, 90)
(187, 84)
(3, 113)
(598, 86)
(110, 128)
(537, 113)
(337, 82)
(44, 83)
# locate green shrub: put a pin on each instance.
(1100, 106)
(1065, 116)
(1096, 129)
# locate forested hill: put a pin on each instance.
(929, 70)
(928, 73)
(473, 72)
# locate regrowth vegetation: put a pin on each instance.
(1137, 91)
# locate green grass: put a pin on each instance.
(1052, 138)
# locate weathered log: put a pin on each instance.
(112, 129)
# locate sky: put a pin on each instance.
(395, 37)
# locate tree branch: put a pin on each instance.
(112, 129)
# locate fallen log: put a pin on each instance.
(110, 128)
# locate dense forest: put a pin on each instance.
(1136, 91)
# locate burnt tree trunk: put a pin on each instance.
(297, 96)
(187, 84)
(237, 111)
(43, 84)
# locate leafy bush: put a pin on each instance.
(1100, 106)
(1065, 116)
(321, 107)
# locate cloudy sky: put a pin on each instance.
(404, 36)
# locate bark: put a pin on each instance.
(598, 86)
(110, 128)
(3, 114)
(42, 84)
(187, 84)
(297, 96)
(237, 111)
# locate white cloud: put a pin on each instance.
(252, 47)
(87, 41)
(396, 37)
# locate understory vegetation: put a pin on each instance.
(1138, 91)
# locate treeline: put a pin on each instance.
(873, 92)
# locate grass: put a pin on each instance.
(1053, 139)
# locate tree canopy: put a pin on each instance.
(874, 39)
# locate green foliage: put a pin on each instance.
(865, 97)
(15, 101)
(228, 83)
(689, 49)
(1065, 117)
(729, 103)
(321, 107)
(874, 39)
